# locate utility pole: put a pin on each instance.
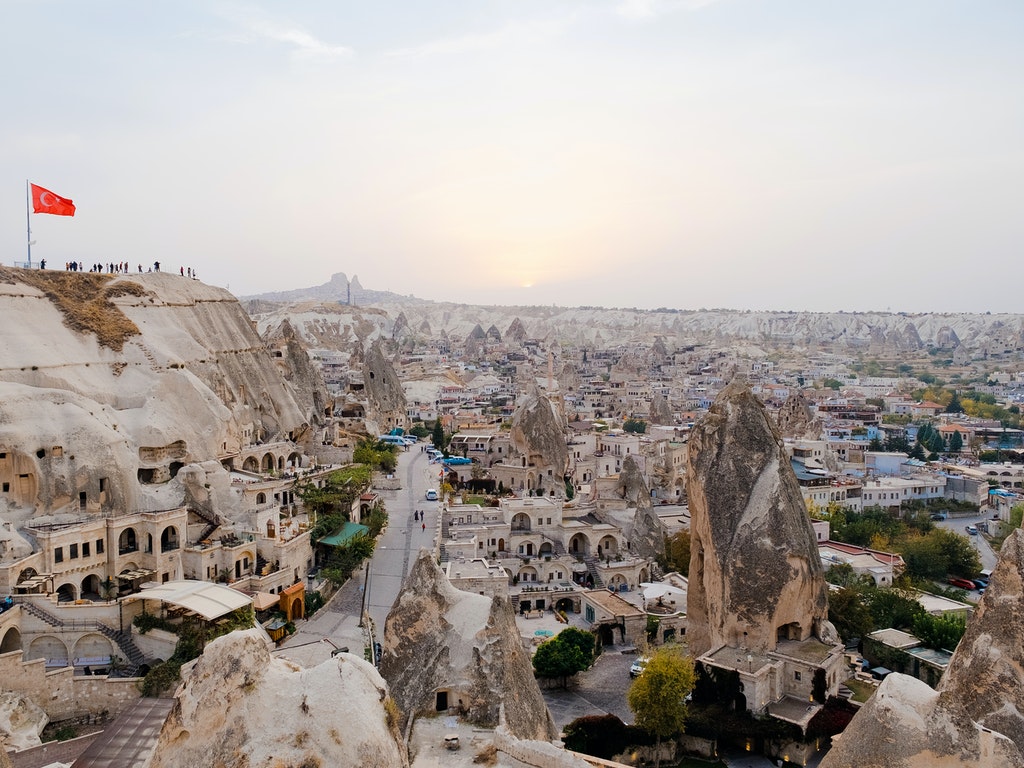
(366, 588)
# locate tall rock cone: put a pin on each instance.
(986, 674)
(448, 648)
(755, 573)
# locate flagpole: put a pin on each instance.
(28, 224)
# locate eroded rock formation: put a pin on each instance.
(975, 718)
(986, 674)
(238, 707)
(538, 439)
(660, 411)
(905, 725)
(796, 418)
(755, 573)
(21, 722)
(441, 643)
(384, 394)
(193, 384)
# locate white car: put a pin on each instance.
(432, 494)
(637, 667)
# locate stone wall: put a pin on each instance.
(61, 694)
(541, 754)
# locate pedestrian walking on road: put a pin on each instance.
(424, 526)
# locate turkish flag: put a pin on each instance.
(44, 201)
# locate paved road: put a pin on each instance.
(337, 625)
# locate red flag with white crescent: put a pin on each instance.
(45, 201)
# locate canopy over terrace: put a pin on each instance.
(343, 535)
(211, 601)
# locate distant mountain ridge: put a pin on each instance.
(372, 314)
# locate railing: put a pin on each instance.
(127, 550)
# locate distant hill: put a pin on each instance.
(338, 289)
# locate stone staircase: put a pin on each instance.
(153, 364)
(591, 563)
(213, 522)
(134, 658)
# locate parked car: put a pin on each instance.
(939, 515)
(431, 494)
(637, 667)
(971, 529)
(960, 583)
(979, 583)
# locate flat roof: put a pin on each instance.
(209, 600)
(129, 740)
(895, 638)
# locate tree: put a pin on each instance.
(942, 633)
(438, 435)
(658, 696)
(849, 614)
(893, 608)
(954, 405)
(568, 652)
(677, 552)
(956, 443)
(875, 444)
(639, 426)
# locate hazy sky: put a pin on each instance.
(752, 154)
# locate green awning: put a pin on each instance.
(345, 534)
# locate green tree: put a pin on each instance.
(892, 608)
(956, 443)
(419, 429)
(560, 658)
(377, 454)
(638, 426)
(961, 558)
(677, 552)
(942, 633)
(658, 696)
(954, 405)
(438, 435)
(833, 384)
(875, 444)
(849, 613)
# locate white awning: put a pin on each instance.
(211, 601)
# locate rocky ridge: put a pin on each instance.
(877, 332)
(191, 383)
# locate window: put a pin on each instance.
(58, 555)
(73, 552)
(7, 487)
(85, 549)
(99, 546)
(796, 675)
